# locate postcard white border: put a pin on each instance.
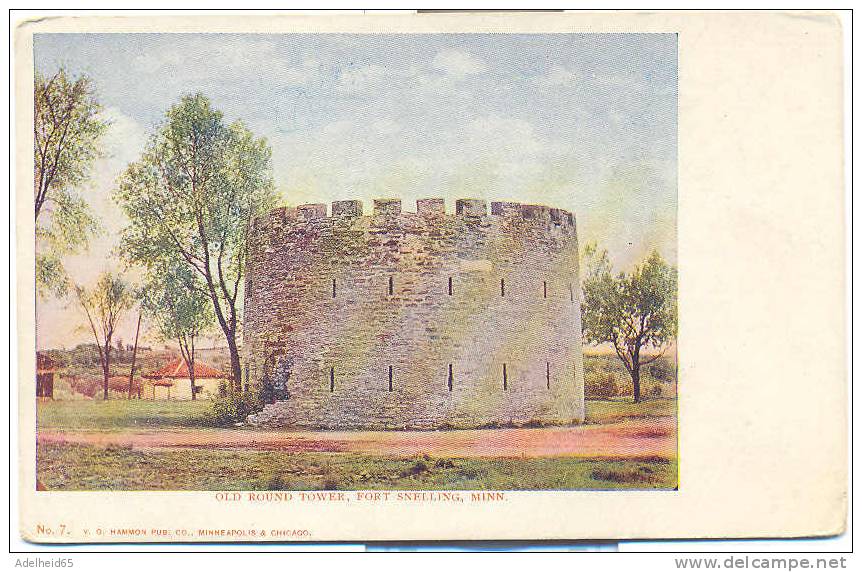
(763, 400)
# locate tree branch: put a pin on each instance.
(621, 355)
(655, 357)
(92, 326)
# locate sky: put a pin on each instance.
(584, 122)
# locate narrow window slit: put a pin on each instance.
(333, 287)
(571, 293)
(390, 378)
(450, 377)
(548, 374)
(505, 379)
(450, 285)
(545, 289)
(391, 285)
(331, 379)
(502, 287)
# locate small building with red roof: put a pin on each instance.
(172, 381)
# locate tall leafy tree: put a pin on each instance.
(179, 305)
(632, 312)
(67, 127)
(190, 198)
(104, 306)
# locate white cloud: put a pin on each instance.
(303, 74)
(124, 139)
(230, 58)
(386, 126)
(123, 143)
(152, 61)
(458, 63)
(362, 78)
(489, 157)
(374, 77)
(557, 76)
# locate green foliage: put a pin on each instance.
(107, 300)
(605, 377)
(83, 358)
(51, 277)
(234, 407)
(104, 306)
(631, 312)
(175, 299)
(67, 128)
(190, 199)
(663, 370)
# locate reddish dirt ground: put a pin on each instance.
(632, 439)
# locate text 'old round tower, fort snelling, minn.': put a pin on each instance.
(425, 320)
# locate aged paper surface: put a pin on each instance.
(762, 401)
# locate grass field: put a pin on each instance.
(125, 414)
(79, 467)
(122, 414)
(68, 466)
(614, 410)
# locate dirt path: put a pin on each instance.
(655, 437)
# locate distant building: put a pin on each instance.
(45, 369)
(174, 382)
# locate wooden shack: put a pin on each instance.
(46, 367)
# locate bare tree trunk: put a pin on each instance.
(636, 382)
(134, 355)
(235, 368)
(192, 367)
(187, 350)
(106, 365)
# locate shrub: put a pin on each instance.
(234, 407)
(88, 386)
(601, 384)
(662, 370)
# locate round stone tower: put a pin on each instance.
(422, 320)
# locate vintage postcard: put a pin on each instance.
(306, 278)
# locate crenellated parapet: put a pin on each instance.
(430, 207)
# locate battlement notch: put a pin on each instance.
(431, 207)
(387, 207)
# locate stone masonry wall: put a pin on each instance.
(475, 315)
